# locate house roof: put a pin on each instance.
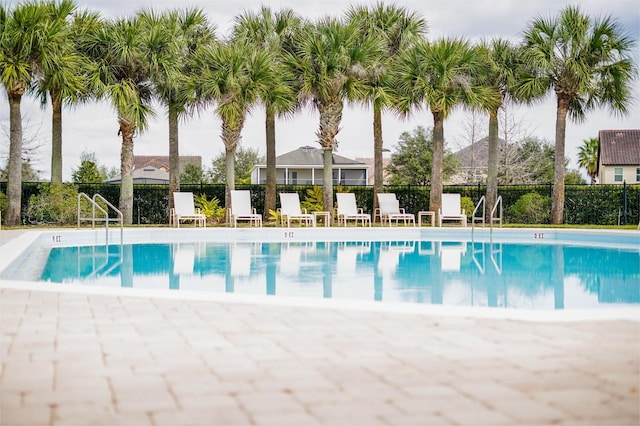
(161, 162)
(312, 157)
(477, 154)
(619, 147)
(147, 174)
(155, 168)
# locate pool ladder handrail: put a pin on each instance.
(106, 219)
(493, 212)
(478, 218)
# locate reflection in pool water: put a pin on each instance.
(453, 273)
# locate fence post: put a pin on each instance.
(624, 200)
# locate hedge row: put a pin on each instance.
(584, 204)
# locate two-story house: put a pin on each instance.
(619, 156)
(304, 166)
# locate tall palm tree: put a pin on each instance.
(442, 76)
(63, 79)
(29, 40)
(121, 76)
(587, 62)
(588, 157)
(330, 61)
(501, 76)
(235, 76)
(399, 29)
(273, 32)
(177, 36)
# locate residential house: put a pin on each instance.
(154, 169)
(473, 162)
(304, 166)
(370, 162)
(619, 156)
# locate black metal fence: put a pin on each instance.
(584, 204)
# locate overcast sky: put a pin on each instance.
(94, 127)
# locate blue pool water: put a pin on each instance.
(513, 275)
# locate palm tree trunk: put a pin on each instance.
(378, 177)
(435, 196)
(327, 179)
(174, 156)
(56, 139)
(230, 176)
(330, 118)
(14, 179)
(230, 136)
(126, 172)
(492, 163)
(270, 131)
(557, 208)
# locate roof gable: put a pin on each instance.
(477, 154)
(161, 162)
(309, 156)
(619, 147)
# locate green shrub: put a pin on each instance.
(56, 204)
(467, 204)
(4, 204)
(210, 208)
(531, 208)
(313, 200)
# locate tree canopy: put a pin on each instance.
(412, 161)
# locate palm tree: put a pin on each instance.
(442, 75)
(121, 76)
(29, 40)
(177, 36)
(330, 61)
(63, 79)
(236, 76)
(398, 29)
(588, 157)
(273, 32)
(588, 64)
(502, 74)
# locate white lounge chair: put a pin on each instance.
(184, 209)
(290, 210)
(348, 210)
(451, 209)
(241, 209)
(389, 210)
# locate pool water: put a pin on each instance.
(513, 275)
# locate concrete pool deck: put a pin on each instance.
(72, 357)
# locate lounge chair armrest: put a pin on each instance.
(402, 210)
(360, 211)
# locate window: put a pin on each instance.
(294, 178)
(617, 174)
(638, 174)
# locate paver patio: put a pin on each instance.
(81, 359)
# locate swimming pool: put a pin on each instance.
(514, 269)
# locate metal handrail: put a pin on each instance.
(473, 215)
(493, 212)
(106, 219)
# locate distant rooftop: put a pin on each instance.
(619, 147)
(310, 156)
